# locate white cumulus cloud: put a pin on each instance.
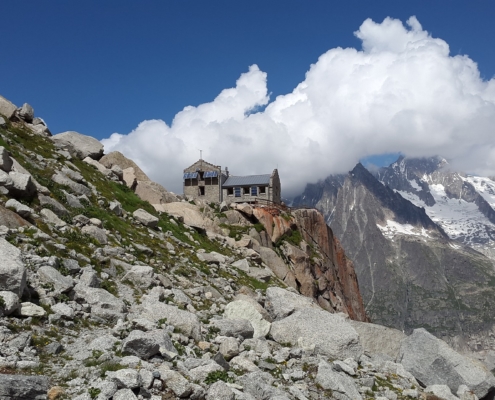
(402, 92)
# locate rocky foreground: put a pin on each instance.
(113, 288)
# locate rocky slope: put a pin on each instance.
(410, 273)
(105, 296)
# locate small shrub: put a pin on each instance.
(215, 376)
(94, 392)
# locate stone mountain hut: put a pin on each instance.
(206, 181)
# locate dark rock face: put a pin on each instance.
(23, 387)
(413, 276)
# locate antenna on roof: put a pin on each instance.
(200, 154)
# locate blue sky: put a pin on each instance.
(99, 67)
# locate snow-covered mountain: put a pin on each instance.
(463, 205)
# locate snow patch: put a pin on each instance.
(393, 228)
(415, 185)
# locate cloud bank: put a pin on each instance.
(402, 92)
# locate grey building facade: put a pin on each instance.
(206, 181)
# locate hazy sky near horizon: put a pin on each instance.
(309, 88)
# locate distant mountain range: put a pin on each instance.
(416, 232)
(463, 205)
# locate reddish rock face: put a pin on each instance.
(320, 269)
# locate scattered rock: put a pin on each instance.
(28, 309)
(21, 209)
(5, 160)
(26, 112)
(10, 302)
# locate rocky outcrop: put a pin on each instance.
(116, 158)
(78, 145)
(135, 178)
(318, 268)
(154, 193)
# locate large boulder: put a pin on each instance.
(26, 112)
(12, 269)
(100, 167)
(319, 331)
(96, 233)
(176, 382)
(51, 218)
(28, 309)
(154, 310)
(189, 213)
(80, 146)
(77, 188)
(5, 160)
(7, 108)
(433, 362)
(250, 311)
(10, 219)
(260, 385)
(145, 218)
(234, 327)
(129, 178)
(153, 193)
(140, 275)
(146, 344)
(60, 283)
(378, 339)
(23, 186)
(16, 167)
(21, 209)
(53, 204)
(116, 158)
(10, 302)
(103, 304)
(23, 387)
(280, 303)
(220, 391)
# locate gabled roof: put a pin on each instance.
(251, 180)
(204, 162)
